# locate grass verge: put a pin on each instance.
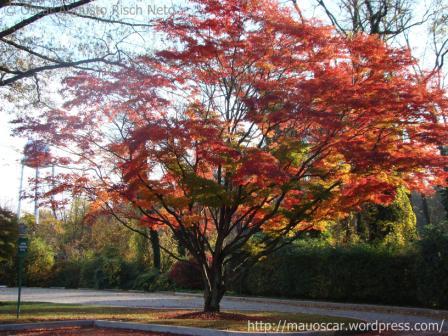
(39, 312)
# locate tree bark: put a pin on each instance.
(180, 247)
(214, 289)
(154, 237)
(426, 212)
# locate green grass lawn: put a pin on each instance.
(35, 312)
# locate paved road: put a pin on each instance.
(177, 300)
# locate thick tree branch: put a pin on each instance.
(42, 14)
(18, 75)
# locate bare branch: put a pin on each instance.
(42, 14)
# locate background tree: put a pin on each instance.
(8, 245)
(256, 123)
(88, 230)
(386, 19)
(375, 224)
(8, 235)
(392, 225)
(438, 32)
(40, 36)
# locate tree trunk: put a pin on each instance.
(426, 212)
(154, 236)
(180, 248)
(214, 289)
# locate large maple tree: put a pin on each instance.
(254, 126)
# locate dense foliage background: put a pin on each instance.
(415, 275)
(379, 255)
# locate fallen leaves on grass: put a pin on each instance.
(208, 316)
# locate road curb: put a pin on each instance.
(414, 311)
(49, 325)
(175, 330)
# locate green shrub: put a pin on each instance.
(163, 283)
(88, 271)
(129, 272)
(39, 262)
(8, 248)
(146, 280)
(8, 235)
(357, 273)
(105, 271)
(152, 280)
(108, 275)
(432, 268)
(8, 273)
(307, 269)
(67, 274)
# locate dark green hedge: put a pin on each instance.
(106, 272)
(432, 270)
(417, 275)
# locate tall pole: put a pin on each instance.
(19, 257)
(36, 195)
(53, 205)
(19, 204)
(22, 247)
(19, 284)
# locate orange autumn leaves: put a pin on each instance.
(256, 121)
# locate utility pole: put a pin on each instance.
(22, 247)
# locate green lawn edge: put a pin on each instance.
(42, 312)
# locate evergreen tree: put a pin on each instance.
(8, 234)
(393, 224)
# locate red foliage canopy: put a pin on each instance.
(251, 121)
